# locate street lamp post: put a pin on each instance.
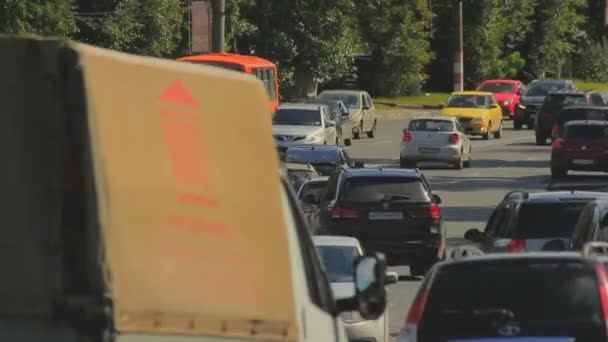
(458, 56)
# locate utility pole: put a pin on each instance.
(219, 25)
(606, 13)
(458, 56)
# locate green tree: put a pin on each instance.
(397, 33)
(44, 17)
(147, 27)
(593, 63)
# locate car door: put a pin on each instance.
(466, 142)
(371, 112)
(496, 114)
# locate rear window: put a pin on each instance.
(547, 297)
(572, 114)
(588, 132)
(565, 100)
(374, 189)
(431, 125)
(315, 188)
(338, 262)
(546, 220)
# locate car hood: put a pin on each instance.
(532, 99)
(464, 112)
(500, 97)
(294, 130)
(343, 290)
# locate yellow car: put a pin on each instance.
(478, 111)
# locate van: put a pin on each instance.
(126, 216)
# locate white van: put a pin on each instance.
(127, 216)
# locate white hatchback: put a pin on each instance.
(303, 123)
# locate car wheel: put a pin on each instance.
(498, 134)
(516, 124)
(467, 164)
(487, 135)
(459, 164)
(558, 173)
(357, 132)
(531, 125)
(347, 142)
(372, 133)
(540, 140)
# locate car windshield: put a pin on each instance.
(312, 188)
(498, 87)
(469, 101)
(548, 297)
(338, 262)
(545, 220)
(350, 100)
(556, 101)
(375, 189)
(587, 132)
(297, 117)
(542, 89)
(312, 156)
(431, 125)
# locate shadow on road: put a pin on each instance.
(381, 162)
(449, 183)
(409, 278)
(466, 213)
(492, 163)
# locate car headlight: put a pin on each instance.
(521, 105)
(351, 317)
(507, 102)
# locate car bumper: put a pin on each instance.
(430, 153)
(366, 331)
(580, 163)
(476, 129)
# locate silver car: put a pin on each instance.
(303, 123)
(435, 138)
(337, 254)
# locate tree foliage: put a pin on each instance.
(44, 17)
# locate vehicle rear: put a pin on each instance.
(581, 147)
(550, 109)
(388, 213)
(574, 113)
(428, 139)
(535, 298)
(538, 225)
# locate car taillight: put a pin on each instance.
(558, 144)
(602, 286)
(407, 137)
(409, 332)
(338, 211)
(516, 246)
(432, 211)
(454, 138)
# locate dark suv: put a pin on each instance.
(525, 222)
(391, 211)
(533, 98)
(552, 105)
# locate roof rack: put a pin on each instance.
(465, 252)
(595, 248)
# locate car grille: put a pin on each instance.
(289, 138)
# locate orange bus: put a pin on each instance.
(263, 69)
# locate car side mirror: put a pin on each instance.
(359, 165)
(391, 278)
(473, 235)
(370, 292)
(436, 199)
(309, 199)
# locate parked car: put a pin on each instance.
(340, 114)
(327, 160)
(532, 222)
(391, 211)
(582, 146)
(478, 111)
(533, 98)
(507, 93)
(337, 255)
(309, 195)
(573, 113)
(298, 173)
(554, 102)
(303, 123)
(364, 118)
(550, 297)
(435, 138)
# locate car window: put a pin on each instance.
(338, 262)
(374, 189)
(469, 299)
(544, 220)
(315, 188)
(370, 103)
(431, 125)
(583, 228)
(468, 101)
(587, 132)
(331, 189)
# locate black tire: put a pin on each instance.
(347, 142)
(540, 140)
(516, 124)
(530, 125)
(558, 173)
(357, 135)
(467, 163)
(371, 134)
(459, 164)
(498, 134)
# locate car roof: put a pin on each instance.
(433, 117)
(320, 148)
(555, 196)
(298, 166)
(586, 123)
(326, 240)
(380, 172)
(305, 106)
(343, 91)
(317, 179)
(509, 81)
(472, 92)
(531, 256)
(585, 107)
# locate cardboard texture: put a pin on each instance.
(187, 190)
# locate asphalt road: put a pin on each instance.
(469, 195)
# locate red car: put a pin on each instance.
(581, 146)
(507, 93)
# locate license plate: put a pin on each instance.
(428, 150)
(386, 215)
(582, 161)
